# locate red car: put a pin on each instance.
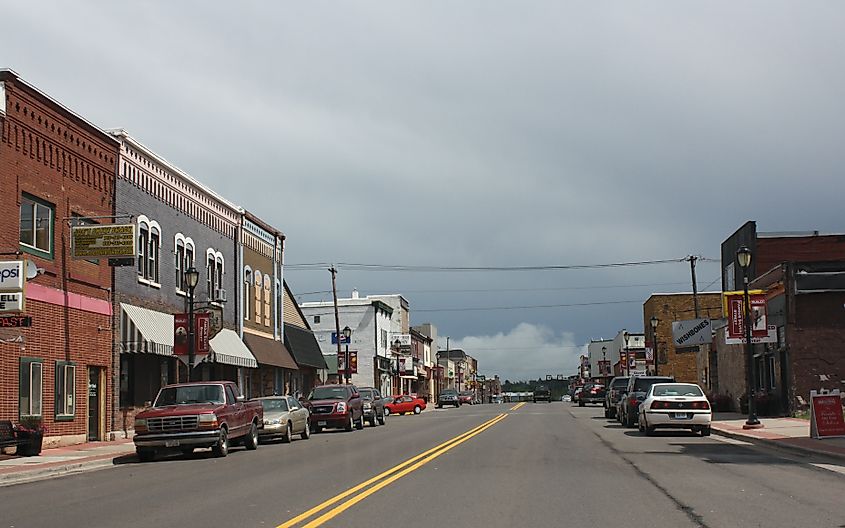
(405, 404)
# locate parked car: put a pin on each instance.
(373, 404)
(185, 416)
(465, 397)
(284, 417)
(542, 393)
(576, 395)
(591, 393)
(448, 397)
(675, 406)
(614, 392)
(405, 404)
(634, 395)
(566, 398)
(335, 406)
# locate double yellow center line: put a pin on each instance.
(517, 406)
(383, 479)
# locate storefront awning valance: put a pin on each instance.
(304, 347)
(227, 348)
(145, 331)
(268, 351)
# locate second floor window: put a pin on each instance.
(149, 249)
(213, 273)
(36, 227)
(247, 292)
(183, 259)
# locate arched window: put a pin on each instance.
(267, 297)
(259, 281)
(183, 259)
(149, 250)
(214, 270)
(247, 290)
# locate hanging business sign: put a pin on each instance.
(353, 362)
(343, 339)
(826, 420)
(735, 306)
(103, 241)
(404, 340)
(12, 302)
(15, 321)
(202, 336)
(12, 275)
(692, 332)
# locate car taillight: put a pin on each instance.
(659, 405)
(632, 400)
(700, 405)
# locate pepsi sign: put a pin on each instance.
(12, 275)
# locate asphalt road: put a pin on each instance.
(488, 465)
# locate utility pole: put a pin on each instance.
(333, 271)
(692, 259)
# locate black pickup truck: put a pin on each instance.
(542, 393)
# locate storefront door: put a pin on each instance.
(94, 402)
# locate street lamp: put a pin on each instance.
(654, 321)
(398, 344)
(625, 336)
(604, 361)
(192, 277)
(743, 258)
(347, 334)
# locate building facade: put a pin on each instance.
(181, 224)
(56, 170)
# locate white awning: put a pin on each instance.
(227, 348)
(145, 331)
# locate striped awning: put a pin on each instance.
(145, 331)
(227, 348)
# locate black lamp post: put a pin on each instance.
(625, 336)
(347, 335)
(743, 258)
(192, 277)
(603, 368)
(654, 321)
(398, 345)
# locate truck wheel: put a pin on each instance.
(221, 448)
(581, 404)
(705, 431)
(287, 434)
(251, 440)
(306, 433)
(318, 429)
(145, 455)
(360, 423)
(349, 424)
(373, 421)
(381, 417)
(417, 409)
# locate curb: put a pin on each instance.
(777, 444)
(22, 477)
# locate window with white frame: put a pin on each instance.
(183, 260)
(36, 226)
(65, 389)
(31, 386)
(247, 292)
(267, 299)
(149, 250)
(214, 270)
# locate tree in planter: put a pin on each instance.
(31, 429)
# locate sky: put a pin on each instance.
(422, 136)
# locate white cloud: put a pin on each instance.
(528, 351)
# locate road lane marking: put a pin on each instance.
(831, 467)
(337, 510)
(733, 441)
(517, 406)
(447, 444)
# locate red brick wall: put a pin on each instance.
(50, 153)
(773, 251)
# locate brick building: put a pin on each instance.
(807, 353)
(181, 224)
(687, 364)
(56, 169)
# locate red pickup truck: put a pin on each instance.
(185, 416)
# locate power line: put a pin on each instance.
(397, 267)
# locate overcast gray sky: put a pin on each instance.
(487, 133)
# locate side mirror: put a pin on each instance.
(240, 399)
(356, 395)
(148, 403)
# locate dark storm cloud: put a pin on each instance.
(474, 133)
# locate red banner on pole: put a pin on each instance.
(180, 335)
(202, 331)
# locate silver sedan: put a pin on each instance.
(283, 418)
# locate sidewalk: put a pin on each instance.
(62, 460)
(785, 433)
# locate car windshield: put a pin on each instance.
(274, 404)
(367, 394)
(448, 392)
(328, 393)
(466, 393)
(619, 383)
(190, 394)
(643, 384)
(677, 390)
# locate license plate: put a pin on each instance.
(171, 443)
(321, 424)
(680, 416)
